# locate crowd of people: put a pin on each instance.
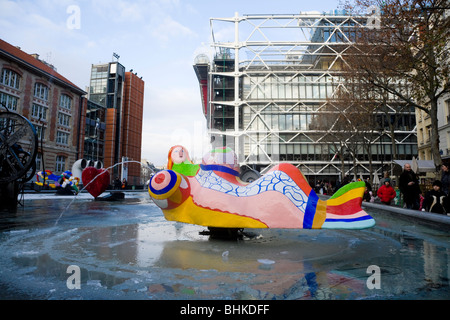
(436, 200)
(120, 185)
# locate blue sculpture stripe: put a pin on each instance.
(215, 167)
(366, 223)
(310, 211)
(172, 182)
(350, 220)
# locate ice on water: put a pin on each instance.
(127, 250)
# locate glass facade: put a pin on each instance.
(94, 135)
(99, 79)
(271, 90)
(106, 84)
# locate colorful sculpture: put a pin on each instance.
(51, 179)
(65, 181)
(213, 195)
(95, 181)
(180, 161)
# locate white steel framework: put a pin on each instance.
(269, 82)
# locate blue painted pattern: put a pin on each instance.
(273, 181)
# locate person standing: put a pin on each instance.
(435, 199)
(385, 176)
(409, 187)
(445, 179)
(386, 193)
(117, 183)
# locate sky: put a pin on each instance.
(158, 39)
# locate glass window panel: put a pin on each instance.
(315, 91)
(290, 149)
(295, 88)
(304, 149)
(302, 122)
(308, 91)
(282, 121)
(288, 88)
(323, 91)
(275, 122)
(267, 89)
(274, 88)
(289, 122)
(296, 124)
(302, 87)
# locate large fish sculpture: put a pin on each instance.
(211, 194)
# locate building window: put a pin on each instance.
(39, 112)
(9, 101)
(63, 119)
(38, 161)
(447, 106)
(428, 134)
(98, 86)
(41, 91)
(65, 102)
(10, 78)
(60, 163)
(62, 138)
(40, 131)
(448, 144)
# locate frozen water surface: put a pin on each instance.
(127, 250)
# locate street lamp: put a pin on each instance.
(97, 125)
(42, 148)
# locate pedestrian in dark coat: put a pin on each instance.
(445, 179)
(409, 187)
(435, 199)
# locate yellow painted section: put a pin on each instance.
(176, 196)
(351, 194)
(188, 212)
(320, 215)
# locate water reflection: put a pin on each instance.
(128, 250)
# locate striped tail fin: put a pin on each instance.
(344, 209)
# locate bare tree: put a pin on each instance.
(404, 53)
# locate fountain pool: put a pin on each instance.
(127, 250)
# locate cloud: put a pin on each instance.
(159, 136)
(175, 101)
(172, 115)
(169, 30)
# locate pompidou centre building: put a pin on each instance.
(268, 80)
